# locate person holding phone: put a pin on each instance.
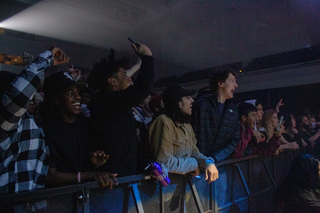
(111, 116)
(273, 135)
(249, 138)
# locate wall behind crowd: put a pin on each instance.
(15, 43)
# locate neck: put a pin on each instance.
(69, 118)
(221, 98)
(259, 125)
(112, 89)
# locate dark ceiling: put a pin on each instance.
(184, 35)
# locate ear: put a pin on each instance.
(220, 84)
(243, 118)
(112, 81)
(180, 104)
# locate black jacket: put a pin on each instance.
(114, 127)
(214, 141)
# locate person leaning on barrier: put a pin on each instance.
(23, 161)
(172, 139)
(68, 136)
(215, 117)
(249, 138)
(273, 135)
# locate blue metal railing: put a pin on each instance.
(247, 184)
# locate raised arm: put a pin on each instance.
(15, 99)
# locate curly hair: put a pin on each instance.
(101, 72)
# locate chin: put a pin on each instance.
(76, 112)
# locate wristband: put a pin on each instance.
(208, 162)
(79, 177)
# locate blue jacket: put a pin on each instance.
(213, 141)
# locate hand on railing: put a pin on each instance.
(159, 172)
(106, 179)
(212, 173)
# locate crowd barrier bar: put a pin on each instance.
(82, 191)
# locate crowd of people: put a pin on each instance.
(112, 126)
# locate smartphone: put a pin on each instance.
(137, 44)
(280, 122)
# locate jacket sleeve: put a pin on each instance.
(201, 159)
(201, 126)
(246, 137)
(224, 152)
(162, 149)
(135, 94)
(15, 99)
(269, 148)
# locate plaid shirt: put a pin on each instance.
(23, 153)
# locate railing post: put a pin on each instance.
(83, 201)
(195, 195)
(245, 186)
(213, 198)
(136, 197)
(161, 198)
(269, 173)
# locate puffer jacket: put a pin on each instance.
(214, 141)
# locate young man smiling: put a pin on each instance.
(249, 137)
(215, 117)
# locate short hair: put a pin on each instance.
(257, 103)
(101, 72)
(220, 75)
(245, 109)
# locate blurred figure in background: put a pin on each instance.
(300, 192)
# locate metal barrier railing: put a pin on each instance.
(242, 183)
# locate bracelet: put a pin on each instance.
(208, 162)
(79, 177)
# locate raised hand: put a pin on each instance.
(59, 56)
(279, 104)
(141, 50)
(99, 158)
